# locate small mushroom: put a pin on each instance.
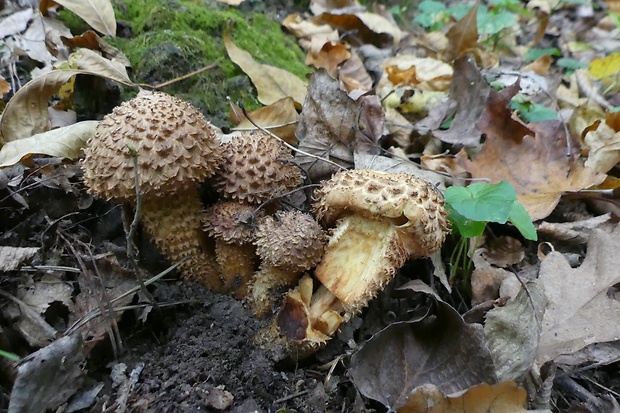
(288, 243)
(175, 148)
(231, 223)
(381, 220)
(256, 168)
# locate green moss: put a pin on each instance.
(172, 38)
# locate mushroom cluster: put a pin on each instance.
(246, 243)
(379, 220)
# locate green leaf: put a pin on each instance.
(614, 109)
(533, 54)
(532, 112)
(10, 356)
(466, 227)
(482, 202)
(492, 22)
(431, 14)
(521, 219)
(571, 64)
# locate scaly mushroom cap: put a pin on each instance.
(176, 147)
(290, 240)
(256, 168)
(414, 206)
(230, 221)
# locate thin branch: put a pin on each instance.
(288, 145)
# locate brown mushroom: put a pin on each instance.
(231, 223)
(288, 243)
(381, 220)
(256, 168)
(175, 148)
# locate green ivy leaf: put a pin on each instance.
(482, 202)
(521, 219)
(533, 54)
(571, 64)
(531, 112)
(466, 227)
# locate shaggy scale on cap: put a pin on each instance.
(256, 168)
(176, 147)
(290, 240)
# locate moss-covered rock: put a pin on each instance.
(171, 38)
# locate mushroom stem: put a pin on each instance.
(237, 263)
(174, 223)
(361, 257)
(267, 287)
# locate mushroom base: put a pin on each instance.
(237, 263)
(174, 224)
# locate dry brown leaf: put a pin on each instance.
(368, 28)
(333, 126)
(99, 14)
(15, 23)
(504, 397)
(354, 77)
(470, 92)
(65, 142)
(5, 87)
(580, 310)
(433, 349)
(280, 118)
(310, 35)
(503, 251)
(272, 83)
(533, 160)
(91, 40)
(12, 257)
(422, 72)
(463, 36)
(39, 295)
(329, 57)
(576, 232)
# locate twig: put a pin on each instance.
(292, 396)
(178, 79)
(133, 228)
(288, 145)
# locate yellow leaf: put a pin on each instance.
(99, 14)
(272, 83)
(66, 142)
(607, 66)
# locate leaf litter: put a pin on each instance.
(430, 101)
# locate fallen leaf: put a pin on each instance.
(40, 294)
(470, 92)
(321, 6)
(329, 57)
(576, 232)
(48, 377)
(463, 36)
(548, 172)
(580, 310)
(504, 397)
(5, 87)
(354, 77)
(91, 40)
(26, 114)
(310, 35)
(99, 14)
(12, 257)
(65, 142)
(606, 66)
(368, 28)
(231, 2)
(434, 349)
(329, 127)
(503, 251)
(272, 83)
(280, 118)
(424, 73)
(396, 165)
(15, 23)
(512, 331)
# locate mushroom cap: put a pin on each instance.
(256, 168)
(414, 206)
(230, 221)
(175, 145)
(290, 240)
